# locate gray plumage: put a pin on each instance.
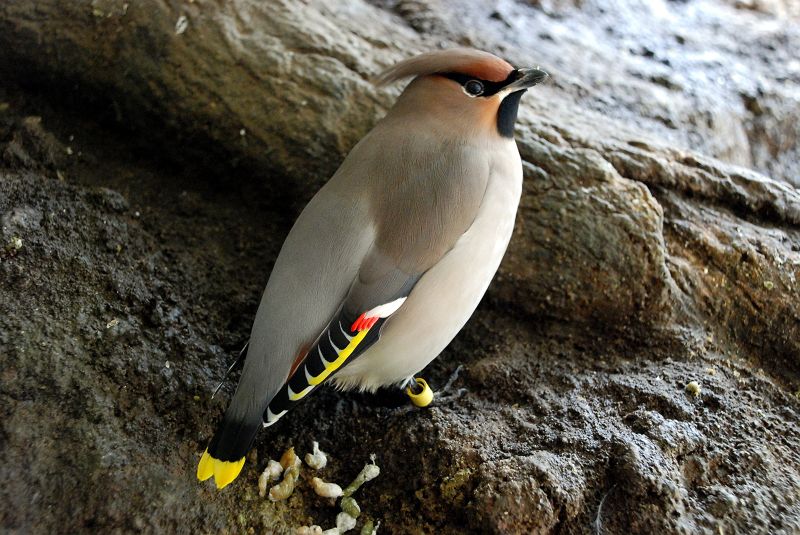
(425, 202)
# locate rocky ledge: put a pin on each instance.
(634, 368)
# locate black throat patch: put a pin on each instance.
(507, 114)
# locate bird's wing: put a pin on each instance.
(310, 279)
(417, 219)
(396, 206)
(392, 211)
(376, 293)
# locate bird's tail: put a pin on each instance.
(224, 457)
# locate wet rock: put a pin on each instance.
(507, 500)
(21, 219)
(589, 243)
(643, 256)
(32, 147)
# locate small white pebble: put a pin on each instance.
(693, 388)
(181, 25)
(167, 364)
(289, 459)
(308, 530)
(69, 151)
(370, 472)
(274, 469)
(242, 132)
(285, 488)
(113, 323)
(345, 522)
(325, 489)
(318, 459)
(291, 464)
(271, 473)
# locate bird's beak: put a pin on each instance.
(526, 78)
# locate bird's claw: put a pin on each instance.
(447, 398)
(446, 394)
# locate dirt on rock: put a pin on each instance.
(146, 188)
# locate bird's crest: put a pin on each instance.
(481, 65)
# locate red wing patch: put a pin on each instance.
(298, 360)
(363, 323)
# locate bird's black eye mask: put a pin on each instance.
(477, 87)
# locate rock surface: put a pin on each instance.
(150, 167)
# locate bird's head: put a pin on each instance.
(462, 90)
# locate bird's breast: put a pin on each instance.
(448, 293)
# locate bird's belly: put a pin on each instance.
(443, 299)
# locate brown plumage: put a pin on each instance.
(469, 61)
(391, 257)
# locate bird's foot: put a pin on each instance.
(447, 393)
(419, 392)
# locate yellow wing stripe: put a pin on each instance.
(301, 394)
(331, 367)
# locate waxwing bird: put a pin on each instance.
(390, 258)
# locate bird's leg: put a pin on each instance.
(412, 385)
(419, 392)
(422, 395)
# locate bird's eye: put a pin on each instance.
(473, 88)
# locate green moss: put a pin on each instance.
(452, 488)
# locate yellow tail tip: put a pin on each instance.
(424, 398)
(205, 468)
(226, 471)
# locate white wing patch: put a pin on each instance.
(385, 310)
(272, 418)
